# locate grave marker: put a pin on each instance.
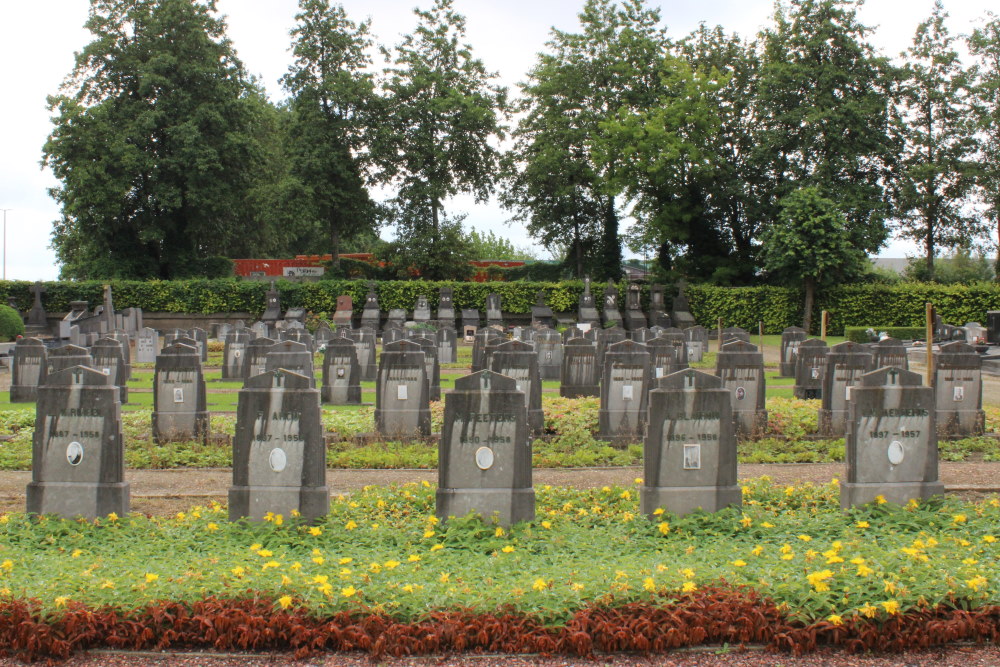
(180, 411)
(200, 336)
(256, 357)
(624, 387)
(541, 314)
(147, 346)
(234, 355)
(447, 342)
(494, 315)
(696, 343)
(580, 371)
(690, 447)
(791, 338)
(958, 387)
(610, 315)
(272, 307)
(519, 361)
(345, 312)
(548, 347)
(587, 309)
(810, 366)
(402, 406)
(846, 363)
(634, 317)
(422, 311)
(657, 307)
(740, 366)
(65, 357)
(107, 357)
(28, 370)
(891, 440)
(371, 316)
(446, 309)
(279, 457)
(290, 356)
(341, 373)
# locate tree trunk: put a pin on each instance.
(611, 248)
(929, 249)
(807, 315)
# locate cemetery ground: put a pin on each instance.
(789, 571)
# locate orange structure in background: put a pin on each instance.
(310, 264)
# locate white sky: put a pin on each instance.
(38, 40)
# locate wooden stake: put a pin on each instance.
(930, 344)
(760, 332)
(720, 334)
(824, 317)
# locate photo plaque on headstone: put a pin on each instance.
(180, 412)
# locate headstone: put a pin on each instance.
(845, 364)
(429, 346)
(300, 336)
(518, 360)
(485, 452)
(279, 456)
(36, 316)
(624, 387)
(77, 311)
(634, 317)
(447, 342)
(109, 311)
(108, 358)
(657, 307)
(345, 311)
(65, 357)
(402, 406)
(260, 330)
(75, 337)
(541, 314)
(740, 366)
(570, 333)
(810, 366)
(324, 334)
(664, 358)
(587, 309)
(679, 340)
(581, 374)
(548, 347)
(422, 311)
(606, 337)
(494, 315)
(790, 339)
(180, 412)
(234, 355)
(364, 349)
(397, 317)
(958, 387)
(680, 313)
(297, 314)
(392, 333)
(610, 315)
(975, 333)
(889, 352)
(446, 308)
(341, 373)
(272, 305)
(221, 330)
(78, 452)
(732, 334)
(481, 340)
(690, 447)
(992, 327)
(470, 323)
(371, 316)
(290, 356)
(28, 370)
(200, 336)
(256, 357)
(640, 335)
(122, 337)
(697, 343)
(132, 320)
(891, 440)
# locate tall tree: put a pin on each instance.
(936, 171)
(332, 107)
(569, 191)
(984, 44)
(824, 97)
(155, 142)
(445, 117)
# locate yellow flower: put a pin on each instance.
(444, 577)
(990, 539)
(345, 561)
(425, 484)
(546, 525)
(638, 480)
(112, 517)
(7, 565)
(835, 619)
(265, 553)
(891, 607)
(375, 567)
(958, 518)
(626, 495)
(818, 580)
(150, 577)
(350, 525)
(880, 499)
(348, 592)
(212, 527)
(271, 564)
(890, 586)
(319, 560)
(285, 580)
(689, 587)
(864, 570)
(688, 572)
(296, 513)
(437, 546)
(390, 564)
(658, 511)
(863, 524)
(320, 579)
(628, 516)
(413, 558)
(507, 549)
(757, 550)
(767, 524)
(969, 561)
(834, 559)
(540, 585)
(408, 588)
(746, 521)
(315, 530)
(648, 584)
(664, 527)
(108, 584)
(869, 611)
(285, 601)
(805, 538)
(428, 533)
(238, 571)
(255, 546)
(739, 563)
(977, 582)
(576, 587)
(278, 520)
(61, 600)
(498, 532)
(76, 553)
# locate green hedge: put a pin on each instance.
(859, 335)
(900, 305)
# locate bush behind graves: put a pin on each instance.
(11, 324)
(860, 334)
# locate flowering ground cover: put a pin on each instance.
(790, 553)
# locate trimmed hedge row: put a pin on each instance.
(880, 306)
(859, 335)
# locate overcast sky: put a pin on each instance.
(38, 40)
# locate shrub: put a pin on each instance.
(11, 325)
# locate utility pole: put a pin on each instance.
(5, 241)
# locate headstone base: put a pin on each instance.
(509, 505)
(852, 494)
(253, 502)
(751, 424)
(580, 391)
(683, 500)
(175, 427)
(807, 392)
(956, 424)
(832, 423)
(73, 499)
